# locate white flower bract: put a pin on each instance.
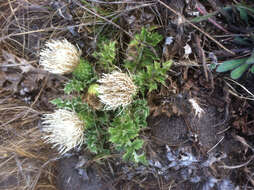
(63, 129)
(116, 89)
(59, 57)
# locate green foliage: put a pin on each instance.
(83, 75)
(84, 71)
(106, 54)
(153, 74)
(237, 66)
(140, 111)
(124, 131)
(231, 64)
(96, 134)
(237, 73)
(141, 50)
(143, 61)
(72, 104)
(73, 85)
(96, 139)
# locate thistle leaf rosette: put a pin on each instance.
(116, 89)
(59, 57)
(63, 129)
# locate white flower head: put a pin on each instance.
(59, 57)
(64, 130)
(198, 110)
(116, 89)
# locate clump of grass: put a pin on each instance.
(23, 153)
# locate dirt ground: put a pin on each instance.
(184, 151)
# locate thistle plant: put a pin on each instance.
(63, 129)
(117, 127)
(116, 89)
(59, 57)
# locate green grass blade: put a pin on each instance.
(237, 73)
(229, 65)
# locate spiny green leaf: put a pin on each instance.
(237, 73)
(58, 102)
(106, 54)
(74, 85)
(142, 50)
(152, 86)
(95, 139)
(84, 71)
(72, 104)
(137, 144)
(231, 64)
(140, 111)
(141, 158)
(167, 64)
(124, 130)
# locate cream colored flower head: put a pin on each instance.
(116, 89)
(63, 129)
(59, 57)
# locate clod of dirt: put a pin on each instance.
(175, 130)
(206, 129)
(169, 130)
(71, 177)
